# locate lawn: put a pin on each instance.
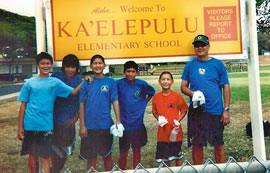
(237, 144)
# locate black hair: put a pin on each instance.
(165, 72)
(43, 55)
(70, 60)
(130, 64)
(95, 57)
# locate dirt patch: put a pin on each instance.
(264, 60)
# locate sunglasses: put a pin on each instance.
(199, 44)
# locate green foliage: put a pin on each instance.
(263, 13)
(17, 31)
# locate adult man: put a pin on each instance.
(207, 76)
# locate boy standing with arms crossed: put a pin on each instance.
(133, 96)
(36, 113)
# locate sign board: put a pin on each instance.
(152, 29)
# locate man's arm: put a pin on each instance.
(185, 88)
(226, 97)
(83, 130)
(20, 133)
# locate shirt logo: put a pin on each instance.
(201, 71)
(171, 106)
(137, 93)
(104, 88)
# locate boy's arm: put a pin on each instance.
(20, 133)
(149, 97)
(76, 90)
(116, 111)
(83, 129)
(182, 115)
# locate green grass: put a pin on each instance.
(237, 144)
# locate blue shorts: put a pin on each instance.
(134, 139)
(37, 143)
(204, 127)
(168, 151)
(97, 142)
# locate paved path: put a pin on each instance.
(10, 91)
(8, 96)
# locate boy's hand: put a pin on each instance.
(71, 122)
(83, 132)
(88, 78)
(20, 134)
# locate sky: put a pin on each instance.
(21, 7)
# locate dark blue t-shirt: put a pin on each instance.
(98, 97)
(66, 108)
(132, 100)
(209, 77)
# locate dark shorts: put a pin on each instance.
(63, 136)
(37, 143)
(98, 142)
(134, 139)
(168, 151)
(204, 127)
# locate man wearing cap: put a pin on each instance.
(204, 80)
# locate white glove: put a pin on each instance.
(162, 121)
(198, 98)
(176, 123)
(117, 131)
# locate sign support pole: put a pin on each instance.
(40, 27)
(254, 85)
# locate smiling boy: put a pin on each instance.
(133, 95)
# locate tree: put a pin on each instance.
(263, 13)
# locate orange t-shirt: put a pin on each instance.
(170, 107)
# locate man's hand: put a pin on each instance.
(225, 118)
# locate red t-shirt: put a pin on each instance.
(170, 107)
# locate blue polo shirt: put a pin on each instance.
(133, 100)
(98, 97)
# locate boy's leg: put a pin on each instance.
(45, 164)
(57, 162)
(136, 156)
(197, 155)
(123, 160)
(91, 163)
(33, 164)
(108, 164)
(179, 162)
(168, 163)
(219, 153)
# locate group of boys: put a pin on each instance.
(205, 123)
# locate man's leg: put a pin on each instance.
(45, 164)
(108, 164)
(33, 164)
(136, 156)
(123, 160)
(197, 155)
(219, 153)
